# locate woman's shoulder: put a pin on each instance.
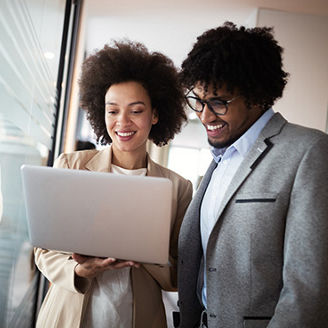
(76, 159)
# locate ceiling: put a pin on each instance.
(171, 26)
(108, 8)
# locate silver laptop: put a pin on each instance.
(98, 214)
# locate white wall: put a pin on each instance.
(304, 38)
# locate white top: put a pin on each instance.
(111, 300)
(229, 160)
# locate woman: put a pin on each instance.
(130, 96)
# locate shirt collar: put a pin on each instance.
(246, 141)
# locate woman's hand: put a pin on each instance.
(89, 267)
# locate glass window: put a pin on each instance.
(30, 41)
(191, 163)
(189, 152)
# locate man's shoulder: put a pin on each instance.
(278, 128)
(295, 133)
(303, 130)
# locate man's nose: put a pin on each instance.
(207, 116)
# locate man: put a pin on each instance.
(253, 246)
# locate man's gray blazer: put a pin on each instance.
(267, 255)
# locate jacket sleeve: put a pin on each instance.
(166, 276)
(304, 294)
(58, 267)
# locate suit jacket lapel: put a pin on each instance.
(191, 229)
(196, 202)
(205, 181)
(259, 150)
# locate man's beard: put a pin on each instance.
(222, 144)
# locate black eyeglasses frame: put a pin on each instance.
(208, 103)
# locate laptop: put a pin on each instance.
(98, 214)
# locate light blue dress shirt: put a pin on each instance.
(228, 160)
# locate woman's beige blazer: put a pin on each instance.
(66, 300)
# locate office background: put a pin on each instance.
(42, 46)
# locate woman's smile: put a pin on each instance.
(125, 135)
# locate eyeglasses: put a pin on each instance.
(215, 105)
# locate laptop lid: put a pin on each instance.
(98, 214)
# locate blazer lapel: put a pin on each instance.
(153, 170)
(259, 150)
(205, 181)
(101, 162)
(190, 222)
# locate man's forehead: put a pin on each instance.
(203, 89)
(210, 89)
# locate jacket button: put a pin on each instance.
(211, 269)
(212, 315)
(181, 262)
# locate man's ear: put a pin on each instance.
(155, 116)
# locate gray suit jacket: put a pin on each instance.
(267, 256)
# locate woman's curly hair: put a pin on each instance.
(246, 60)
(131, 61)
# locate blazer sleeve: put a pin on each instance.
(304, 294)
(58, 267)
(166, 276)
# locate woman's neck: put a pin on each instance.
(129, 160)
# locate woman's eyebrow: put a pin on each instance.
(137, 103)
